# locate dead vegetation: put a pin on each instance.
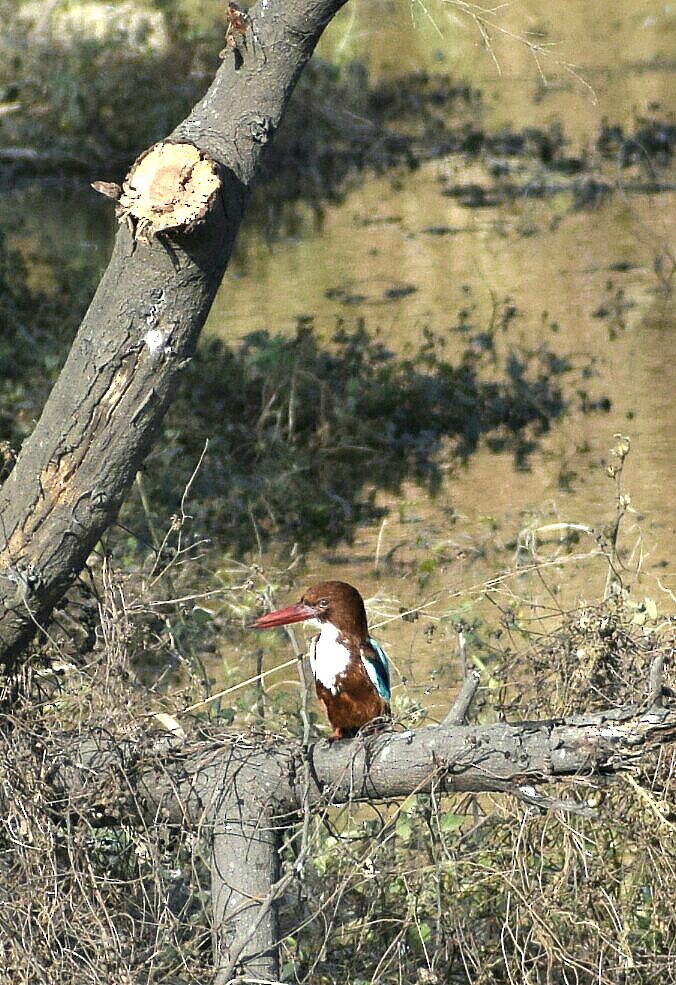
(480, 888)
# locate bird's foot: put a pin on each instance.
(342, 733)
(376, 725)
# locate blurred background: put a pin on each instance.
(450, 295)
(441, 367)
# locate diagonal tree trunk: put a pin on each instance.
(141, 328)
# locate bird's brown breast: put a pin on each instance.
(355, 702)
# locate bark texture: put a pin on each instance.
(141, 328)
(246, 790)
(187, 782)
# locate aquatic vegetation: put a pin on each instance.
(303, 433)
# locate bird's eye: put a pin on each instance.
(323, 603)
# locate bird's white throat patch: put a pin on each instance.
(329, 658)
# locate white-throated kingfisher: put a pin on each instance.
(351, 671)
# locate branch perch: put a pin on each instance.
(460, 706)
(246, 790)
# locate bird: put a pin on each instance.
(351, 670)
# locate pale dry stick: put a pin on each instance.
(613, 577)
(656, 680)
(260, 690)
(486, 38)
(259, 542)
(650, 801)
(562, 526)
(176, 524)
(467, 952)
(460, 706)
(667, 591)
(462, 652)
(236, 687)
(506, 931)
(189, 483)
(376, 563)
(496, 582)
(285, 683)
(391, 947)
(414, 911)
(145, 503)
(480, 16)
(186, 598)
(258, 981)
(427, 14)
(527, 543)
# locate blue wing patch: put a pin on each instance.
(378, 669)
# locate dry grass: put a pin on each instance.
(464, 889)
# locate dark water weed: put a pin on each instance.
(303, 433)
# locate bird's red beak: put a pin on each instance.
(282, 617)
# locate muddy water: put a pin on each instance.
(531, 60)
(590, 282)
(590, 271)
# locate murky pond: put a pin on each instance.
(404, 255)
(448, 247)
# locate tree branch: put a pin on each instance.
(186, 786)
(484, 758)
(108, 403)
(460, 706)
(245, 790)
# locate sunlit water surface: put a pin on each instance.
(543, 255)
(436, 554)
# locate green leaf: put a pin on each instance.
(451, 822)
(417, 932)
(403, 828)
